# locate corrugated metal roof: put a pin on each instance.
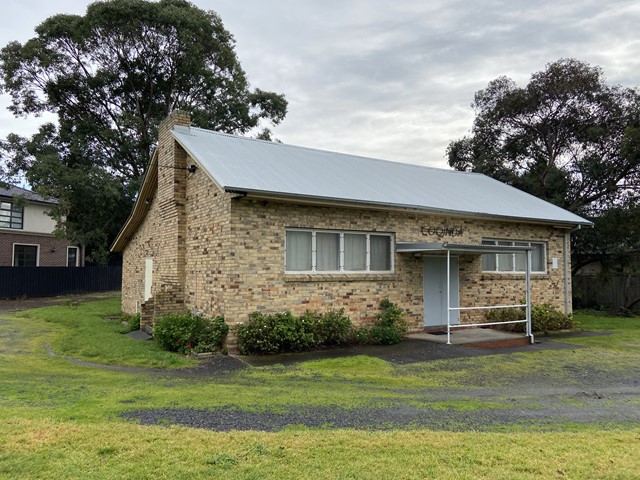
(27, 194)
(255, 166)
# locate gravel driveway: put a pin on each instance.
(592, 396)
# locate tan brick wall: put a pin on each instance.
(258, 279)
(162, 233)
(210, 260)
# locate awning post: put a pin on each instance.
(448, 297)
(529, 332)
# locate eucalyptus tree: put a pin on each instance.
(110, 76)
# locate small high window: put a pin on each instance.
(328, 251)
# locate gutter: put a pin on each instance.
(352, 203)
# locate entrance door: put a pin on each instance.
(435, 291)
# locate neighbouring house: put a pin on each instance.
(228, 225)
(27, 232)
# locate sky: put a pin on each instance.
(389, 79)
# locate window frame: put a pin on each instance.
(14, 214)
(77, 249)
(13, 253)
(341, 252)
(514, 271)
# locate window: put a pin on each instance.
(10, 215)
(514, 262)
(25, 255)
(317, 251)
(72, 256)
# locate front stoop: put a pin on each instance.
(473, 337)
(514, 342)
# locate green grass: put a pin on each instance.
(92, 331)
(62, 419)
(625, 337)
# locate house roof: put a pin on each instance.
(13, 191)
(274, 169)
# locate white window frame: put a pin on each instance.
(513, 260)
(13, 252)
(341, 269)
(77, 256)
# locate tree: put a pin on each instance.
(111, 76)
(567, 137)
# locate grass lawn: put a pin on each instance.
(61, 419)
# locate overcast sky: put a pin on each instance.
(390, 79)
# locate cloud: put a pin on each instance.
(395, 79)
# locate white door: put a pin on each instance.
(148, 277)
(435, 291)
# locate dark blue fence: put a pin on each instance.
(51, 281)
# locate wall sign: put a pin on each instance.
(442, 231)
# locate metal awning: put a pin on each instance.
(461, 248)
(418, 247)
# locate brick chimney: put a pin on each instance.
(169, 294)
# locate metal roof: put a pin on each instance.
(276, 169)
(27, 194)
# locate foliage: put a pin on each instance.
(266, 334)
(188, 333)
(614, 242)
(285, 332)
(332, 328)
(390, 326)
(130, 321)
(110, 77)
(567, 137)
(544, 318)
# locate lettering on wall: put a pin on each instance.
(442, 231)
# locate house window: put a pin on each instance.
(25, 255)
(323, 251)
(10, 215)
(514, 262)
(72, 256)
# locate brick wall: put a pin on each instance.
(53, 252)
(161, 235)
(258, 282)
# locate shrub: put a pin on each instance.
(131, 322)
(189, 333)
(285, 332)
(332, 328)
(390, 326)
(384, 335)
(273, 333)
(544, 318)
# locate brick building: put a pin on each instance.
(227, 225)
(27, 232)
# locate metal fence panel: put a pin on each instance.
(51, 281)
